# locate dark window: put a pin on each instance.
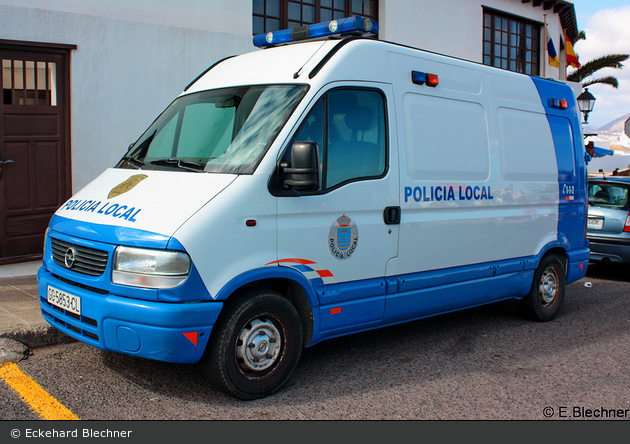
(272, 15)
(511, 43)
(348, 126)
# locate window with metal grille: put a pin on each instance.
(27, 82)
(511, 43)
(272, 15)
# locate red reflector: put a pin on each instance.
(191, 336)
(335, 310)
(564, 104)
(250, 222)
(432, 80)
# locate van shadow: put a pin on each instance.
(492, 338)
(341, 366)
(610, 271)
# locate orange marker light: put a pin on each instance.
(558, 103)
(432, 80)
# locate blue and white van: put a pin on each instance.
(316, 189)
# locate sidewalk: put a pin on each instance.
(21, 321)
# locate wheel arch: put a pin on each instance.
(546, 294)
(560, 252)
(284, 280)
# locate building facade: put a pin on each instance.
(82, 79)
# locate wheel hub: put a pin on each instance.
(548, 287)
(259, 345)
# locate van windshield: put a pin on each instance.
(221, 131)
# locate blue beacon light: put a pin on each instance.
(349, 25)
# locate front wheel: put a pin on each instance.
(255, 346)
(545, 297)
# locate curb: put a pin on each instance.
(39, 336)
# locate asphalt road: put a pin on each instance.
(481, 364)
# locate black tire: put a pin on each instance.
(547, 293)
(255, 345)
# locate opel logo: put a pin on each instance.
(69, 257)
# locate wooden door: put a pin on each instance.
(35, 174)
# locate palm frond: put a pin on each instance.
(608, 80)
(592, 66)
(581, 36)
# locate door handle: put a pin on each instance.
(2, 163)
(391, 215)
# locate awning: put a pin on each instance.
(601, 152)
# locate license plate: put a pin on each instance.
(595, 223)
(64, 300)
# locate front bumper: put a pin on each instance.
(164, 331)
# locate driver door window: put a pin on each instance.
(349, 128)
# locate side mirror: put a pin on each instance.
(303, 171)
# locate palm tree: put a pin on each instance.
(592, 66)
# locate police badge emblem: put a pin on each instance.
(126, 185)
(343, 237)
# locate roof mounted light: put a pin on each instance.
(424, 78)
(353, 25)
(558, 103)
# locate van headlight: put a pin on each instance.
(141, 267)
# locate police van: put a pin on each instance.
(319, 188)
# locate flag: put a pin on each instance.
(572, 58)
(553, 55)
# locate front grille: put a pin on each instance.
(86, 260)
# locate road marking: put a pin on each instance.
(34, 395)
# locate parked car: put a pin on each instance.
(608, 227)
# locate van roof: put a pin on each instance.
(360, 59)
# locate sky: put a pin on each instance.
(607, 27)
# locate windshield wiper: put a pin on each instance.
(183, 164)
(132, 161)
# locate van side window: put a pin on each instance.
(349, 128)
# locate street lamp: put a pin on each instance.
(586, 102)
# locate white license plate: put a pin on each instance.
(595, 223)
(64, 300)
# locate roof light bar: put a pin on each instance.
(350, 25)
(558, 103)
(424, 78)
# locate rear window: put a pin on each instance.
(612, 195)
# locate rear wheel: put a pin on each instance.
(255, 346)
(547, 293)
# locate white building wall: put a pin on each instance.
(132, 59)
(134, 56)
(455, 27)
